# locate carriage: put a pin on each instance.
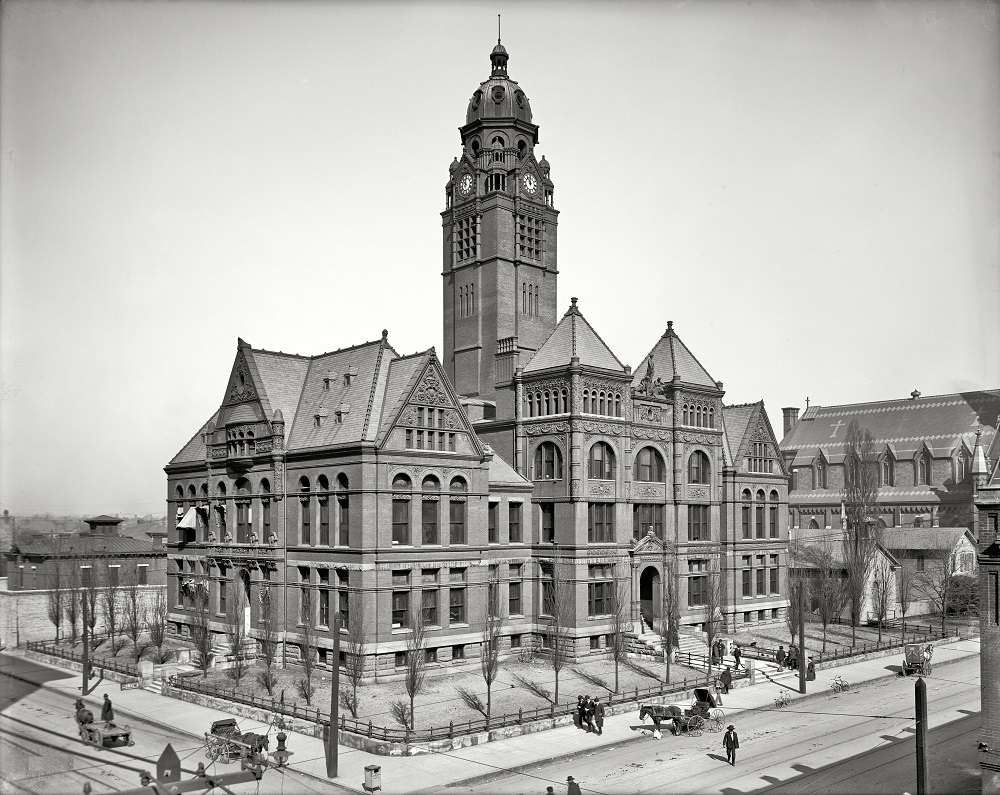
(226, 743)
(703, 714)
(917, 659)
(101, 735)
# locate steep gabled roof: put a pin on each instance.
(573, 336)
(194, 451)
(940, 539)
(940, 422)
(400, 381)
(670, 357)
(748, 423)
(737, 420)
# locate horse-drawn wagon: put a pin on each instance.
(917, 659)
(703, 714)
(227, 743)
(101, 735)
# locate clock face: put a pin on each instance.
(530, 183)
(465, 186)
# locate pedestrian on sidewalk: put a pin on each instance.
(599, 715)
(731, 741)
(107, 711)
(779, 657)
(580, 709)
(811, 670)
(793, 657)
(572, 788)
(736, 656)
(588, 713)
(727, 679)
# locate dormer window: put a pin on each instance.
(350, 374)
(319, 418)
(329, 378)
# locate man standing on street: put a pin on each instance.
(736, 656)
(599, 715)
(731, 741)
(779, 657)
(107, 712)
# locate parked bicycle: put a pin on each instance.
(783, 699)
(840, 684)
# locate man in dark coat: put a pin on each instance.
(731, 741)
(779, 657)
(736, 656)
(811, 670)
(580, 710)
(599, 715)
(726, 678)
(588, 713)
(572, 788)
(107, 711)
(793, 656)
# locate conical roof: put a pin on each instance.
(671, 357)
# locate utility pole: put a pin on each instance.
(920, 704)
(802, 637)
(331, 747)
(86, 645)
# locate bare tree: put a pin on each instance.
(557, 601)
(881, 592)
(268, 637)
(201, 634)
(936, 582)
(74, 593)
(134, 616)
(416, 659)
(111, 604)
(861, 473)
(304, 685)
(713, 611)
(236, 630)
(357, 649)
(669, 609)
(904, 592)
(491, 633)
(822, 578)
(156, 623)
(91, 593)
(56, 596)
(618, 637)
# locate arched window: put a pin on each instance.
(772, 515)
(961, 466)
(586, 401)
(759, 510)
(888, 473)
(401, 488)
(548, 462)
(536, 302)
(600, 402)
(711, 418)
(529, 406)
(548, 404)
(305, 512)
(813, 524)
(343, 511)
(602, 462)
(698, 468)
(431, 488)
(649, 466)
(265, 511)
(242, 511)
(565, 401)
(618, 405)
(821, 474)
(457, 510)
(684, 415)
(746, 514)
(923, 470)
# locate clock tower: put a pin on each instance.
(499, 243)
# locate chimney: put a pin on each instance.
(914, 394)
(791, 416)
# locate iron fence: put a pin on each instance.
(50, 648)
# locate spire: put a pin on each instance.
(499, 56)
(979, 468)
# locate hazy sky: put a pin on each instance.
(808, 190)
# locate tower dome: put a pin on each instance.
(499, 97)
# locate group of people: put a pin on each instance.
(590, 712)
(788, 660)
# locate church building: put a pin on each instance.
(370, 483)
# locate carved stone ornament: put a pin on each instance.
(650, 414)
(697, 438)
(760, 433)
(497, 94)
(431, 392)
(264, 446)
(697, 492)
(242, 389)
(650, 385)
(604, 428)
(648, 491)
(452, 421)
(602, 489)
(218, 452)
(546, 427)
(650, 433)
(541, 386)
(476, 99)
(409, 416)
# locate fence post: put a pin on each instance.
(520, 714)
(369, 729)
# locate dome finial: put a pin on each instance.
(498, 28)
(499, 55)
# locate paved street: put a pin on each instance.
(41, 751)
(785, 747)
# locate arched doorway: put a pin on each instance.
(649, 592)
(245, 581)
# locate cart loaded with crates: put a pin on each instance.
(917, 659)
(226, 743)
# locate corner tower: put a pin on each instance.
(499, 243)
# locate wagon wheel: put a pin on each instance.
(213, 748)
(695, 725)
(715, 720)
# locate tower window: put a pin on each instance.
(465, 238)
(529, 237)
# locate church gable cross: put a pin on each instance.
(836, 427)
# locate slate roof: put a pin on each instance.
(281, 376)
(82, 546)
(573, 336)
(503, 474)
(942, 422)
(939, 538)
(670, 357)
(903, 495)
(736, 420)
(400, 379)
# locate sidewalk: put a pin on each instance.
(466, 765)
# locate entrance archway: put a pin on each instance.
(649, 592)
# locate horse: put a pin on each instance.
(659, 712)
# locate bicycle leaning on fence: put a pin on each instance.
(783, 699)
(839, 684)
